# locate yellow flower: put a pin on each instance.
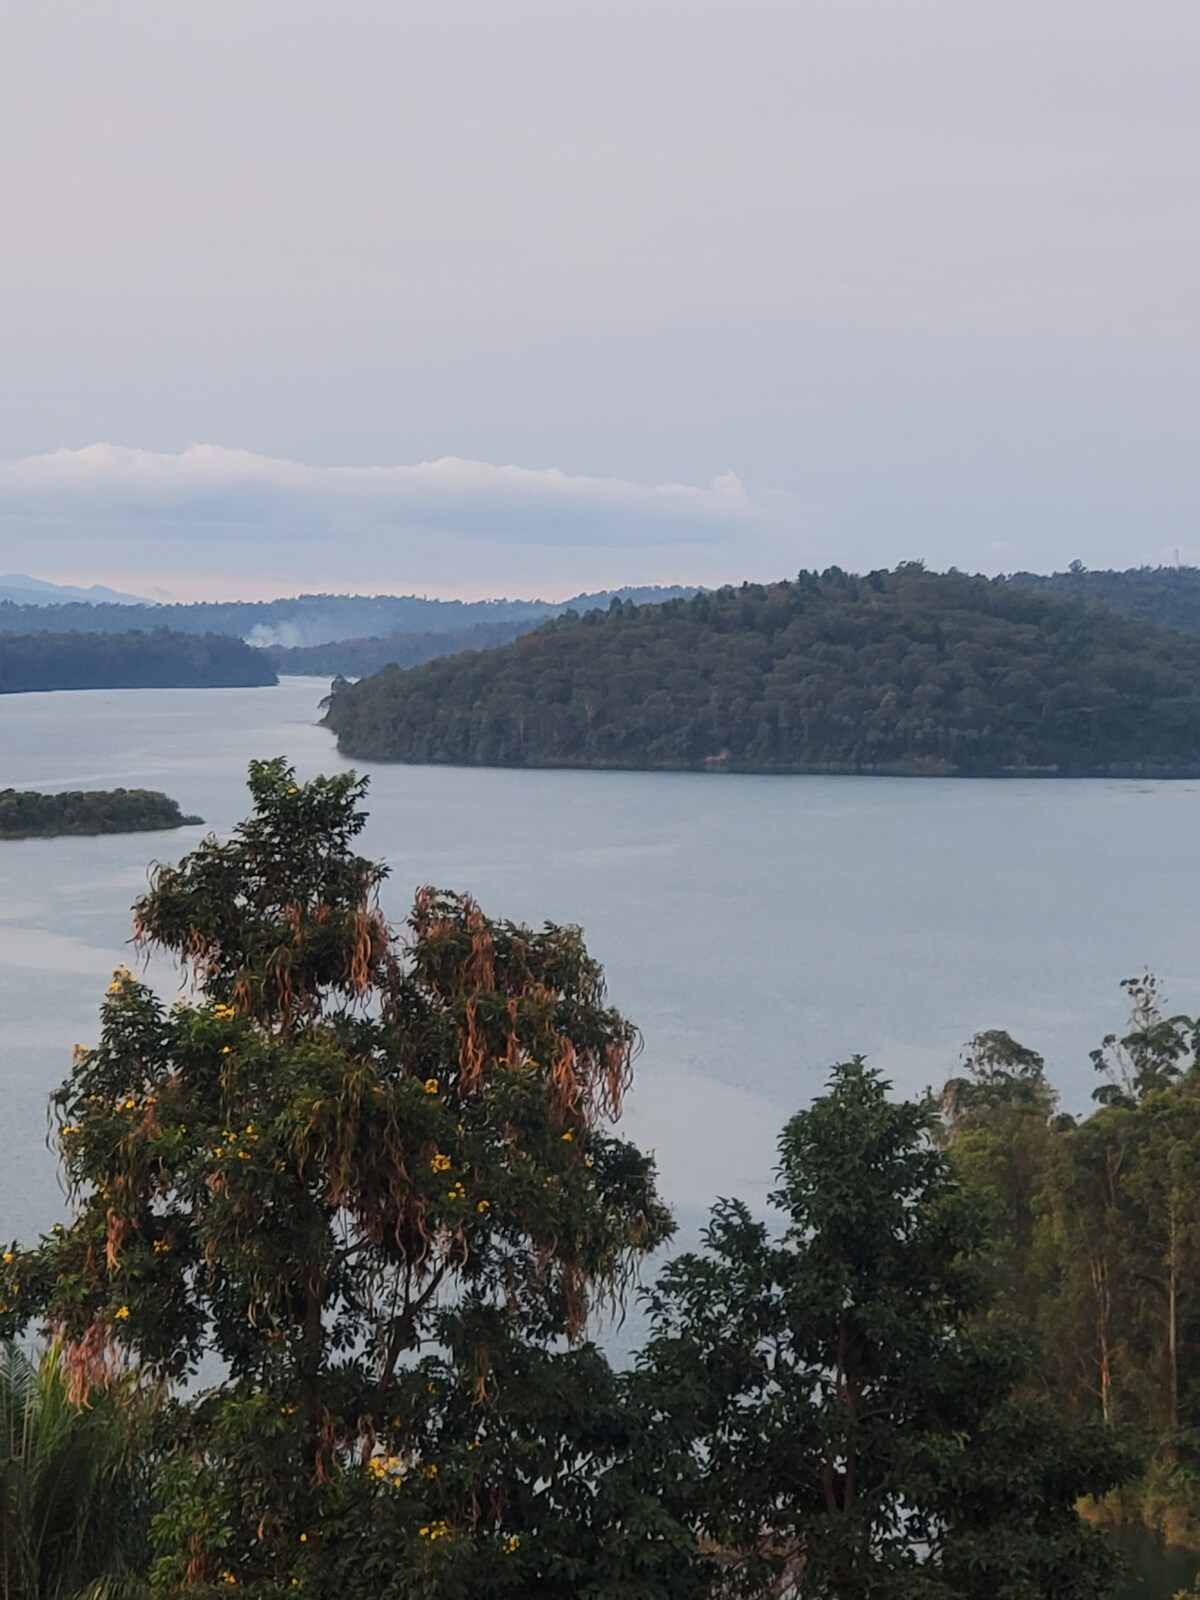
(568, 1136)
(8, 1256)
(228, 1577)
(161, 1246)
(121, 1313)
(511, 1544)
(431, 1470)
(440, 1163)
(484, 1205)
(431, 1086)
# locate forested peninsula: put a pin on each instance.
(907, 672)
(156, 660)
(25, 814)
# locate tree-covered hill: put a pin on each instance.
(156, 660)
(25, 814)
(896, 672)
(1166, 595)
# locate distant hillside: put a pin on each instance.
(901, 672)
(308, 619)
(155, 660)
(26, 591)
(25, 814)
(1166, 595)
(356, 658)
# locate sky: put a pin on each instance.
(533, 296)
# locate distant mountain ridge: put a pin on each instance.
(306, 620)
(21, 589)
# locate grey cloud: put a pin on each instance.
(211, 510)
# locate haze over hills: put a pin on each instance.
(309, 619)
(906, 672)
(356, 658)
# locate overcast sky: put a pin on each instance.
(515, 296)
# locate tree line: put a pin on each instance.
(896, 672)
(158, 659)
(345, 1214)
(1100, 1222)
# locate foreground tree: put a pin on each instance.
(363, 1187)
(845, 1432)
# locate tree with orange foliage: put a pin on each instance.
(362, 1186)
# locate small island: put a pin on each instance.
(25, 814)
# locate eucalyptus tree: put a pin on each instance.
(845, 1428)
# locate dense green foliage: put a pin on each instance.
(901, 672)
(24, 814)
(364, 1188)
(1100, 1223)
(305, 619)
(852, 1426)
(372, 1179)
(159, 659)
(1169, 596)
(75, 1485)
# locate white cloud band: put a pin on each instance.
(240, 494)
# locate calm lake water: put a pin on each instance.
(757, 929)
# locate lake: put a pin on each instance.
(757, 929)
